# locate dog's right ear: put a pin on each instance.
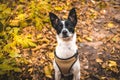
(54, 19)
(72, 16)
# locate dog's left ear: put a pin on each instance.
(72, 16)
(54, 20)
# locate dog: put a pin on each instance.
(66, 62)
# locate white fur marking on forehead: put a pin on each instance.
(63, 22)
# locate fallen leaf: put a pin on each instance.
(51, 55)
(47, 71)
(30, 70)
(116, 38)
(112, 64)
(89, 39)
(110, 25)
(14, 22)
(99, 60)
(79, 39)
(103, 11)
(103, 78)
(58, 8)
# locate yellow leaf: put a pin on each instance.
(103, 11)
(1, 55)
(110, 25)
(51, 55)
(7, 11)
(14, 55)
(50, 66)
(116, 38)
(23, 24)
(42, 61)
(39, 36)
(30, 70)
(113, 50)
(14, 22)
(79, 39)
(64, 17)
(89, 38)
(58, 8)
(47, 71)
(99, 60)
(21, 16)
(103, 78)
(92, 10)
(112, 64)
(17, 70)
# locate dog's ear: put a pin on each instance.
(72, 16)
(54, 19)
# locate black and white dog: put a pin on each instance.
(66, 60)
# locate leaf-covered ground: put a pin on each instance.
(98, 40)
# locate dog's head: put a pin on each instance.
(64, 28)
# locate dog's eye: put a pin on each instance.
(66, 24)
(60, 25)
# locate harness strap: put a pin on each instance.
(65, 65)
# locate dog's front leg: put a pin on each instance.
(76, 77)
(76, 70)
(57, 76)
(57, 71)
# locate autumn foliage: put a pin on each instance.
(27, 40)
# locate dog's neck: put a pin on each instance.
(66, 49)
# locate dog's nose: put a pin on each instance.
(64, 32)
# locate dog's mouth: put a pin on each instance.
(66, 38)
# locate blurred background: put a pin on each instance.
(27, 40)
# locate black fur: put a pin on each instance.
(70, 23)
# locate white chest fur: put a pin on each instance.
(66, 49)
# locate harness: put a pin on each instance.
(65, 65)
